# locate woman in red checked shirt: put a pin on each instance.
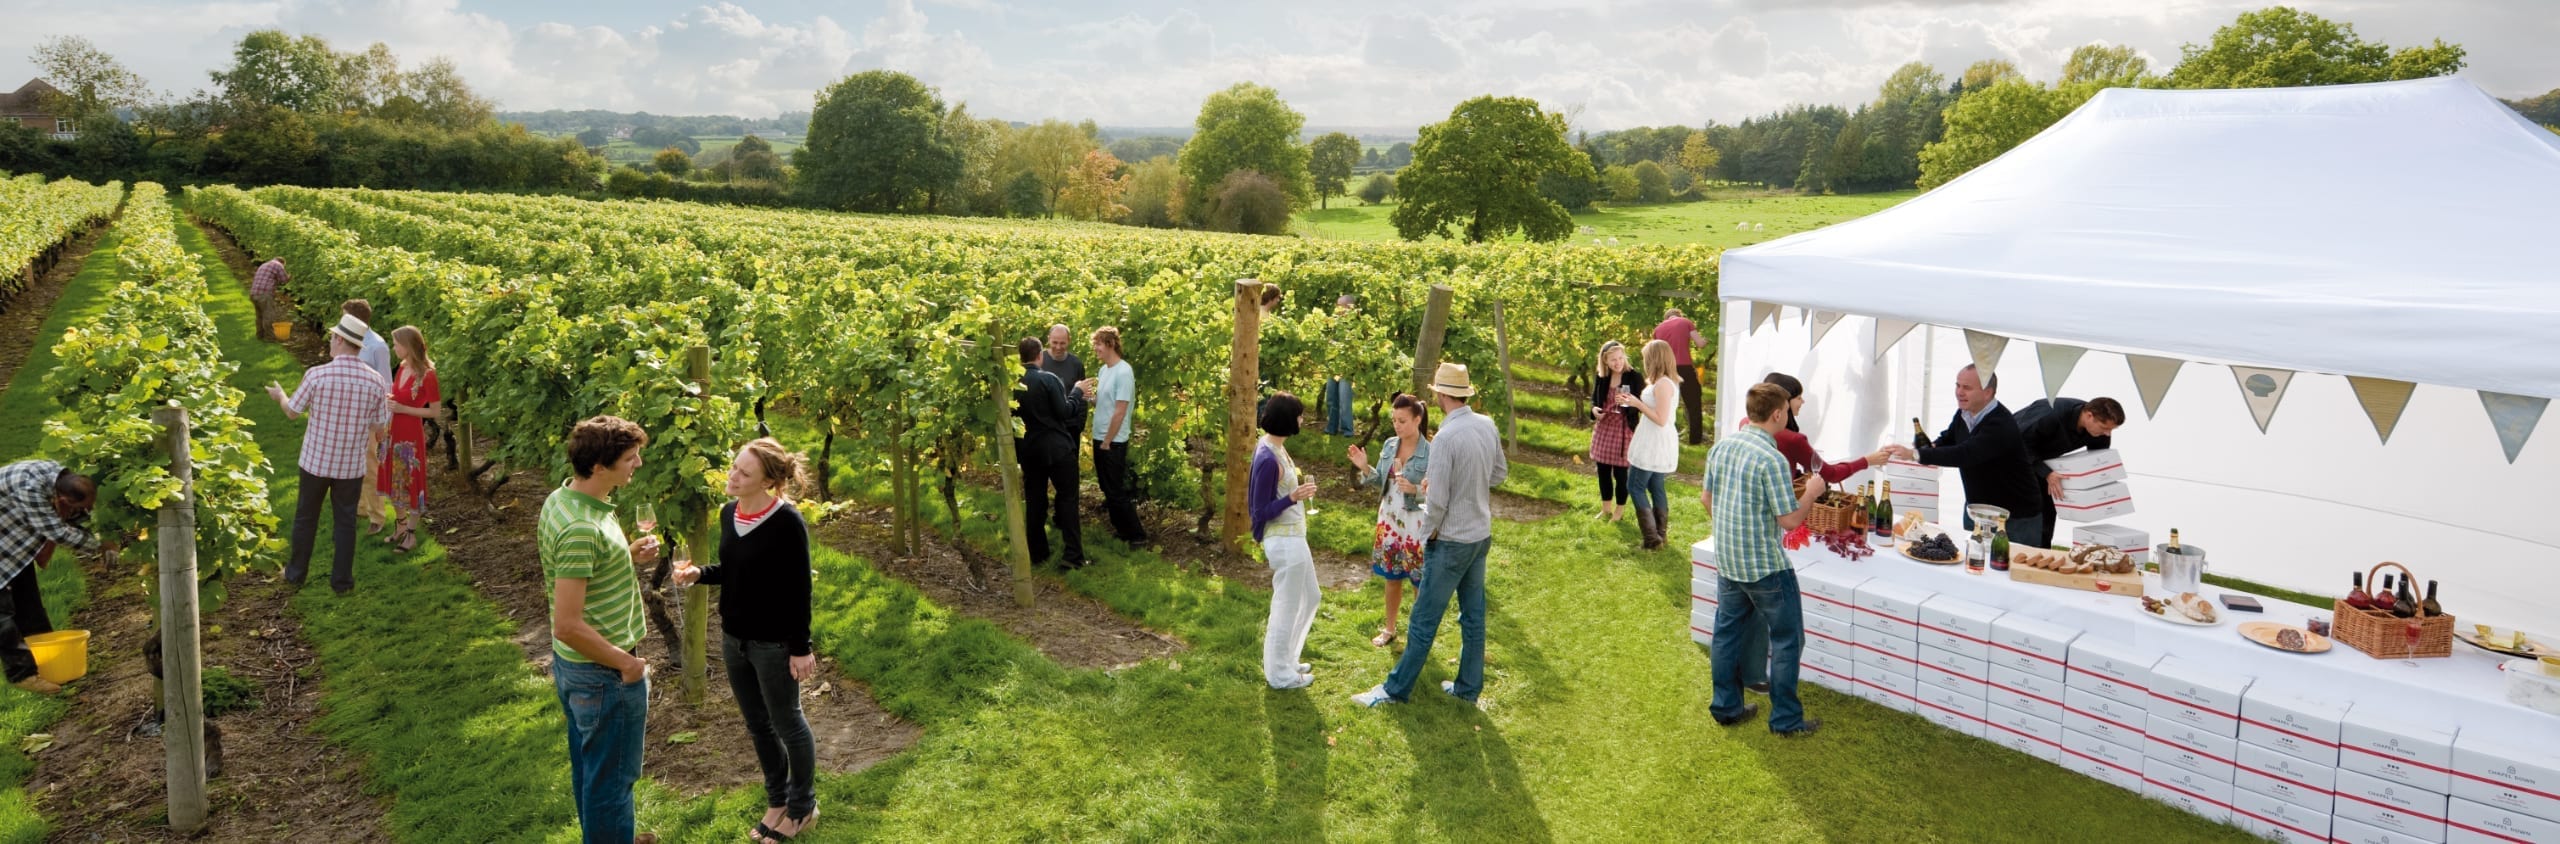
(1799, 450)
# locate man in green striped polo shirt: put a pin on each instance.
(590, 571)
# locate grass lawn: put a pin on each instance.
(1710, 222)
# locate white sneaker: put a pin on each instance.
(1450, 687)
(1304, 668)
(1303, 681)
(1374, 696)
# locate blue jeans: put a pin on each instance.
(608, 722)
(1774, 602)
(1337, 407)
(1447, 567)
(1650, 492)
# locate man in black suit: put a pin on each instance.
(1047, 448)
(1984, 445)
(2053, 428)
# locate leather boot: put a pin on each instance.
(1645, 521)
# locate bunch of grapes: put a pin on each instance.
(1848, 544)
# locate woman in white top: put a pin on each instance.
(1275, 493)
(1654, 451)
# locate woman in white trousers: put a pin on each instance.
(1274, 494)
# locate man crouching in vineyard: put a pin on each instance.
(41, 505)
(589, 569)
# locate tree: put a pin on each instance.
(1479, 170)
(1370, 158)
(1246, 127)
(1399, 155)
(875, 144)
(1653, 184)
(2114, 65)
(1620, 183)
(1329, 163)
(271, 145)
(272, 68)
(366, 80)
(438, 97)
(1988, 72)
(1094, 189)
(1994, 120)
(90, 84)
(2542, 109)
(2279, 47)
(1699, 156)
(1048, 151)
(754, 160)
(1143, 148)
(1379, 188)
(593, 137)
(672, 162)
(1024, 196)
(976, 143)
(660, 136)
(1250, 203)
(1155, 193)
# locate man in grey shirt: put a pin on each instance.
(1457, 515)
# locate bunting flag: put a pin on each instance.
(2383, 400)
(2263, 389)
(2151, 376)
(1986, 348)
(1889, 332)
(2514, 417)
(1762, 312)
(1822, 323)
(2058, 361)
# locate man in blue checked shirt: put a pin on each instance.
(41, 505)
(1755, 584)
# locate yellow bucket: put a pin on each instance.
(62, 655)
(283, 330)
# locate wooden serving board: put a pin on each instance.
(2128, 584)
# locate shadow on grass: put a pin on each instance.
(1298, 762)
(1469, 783)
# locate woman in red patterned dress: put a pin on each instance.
(414, 399)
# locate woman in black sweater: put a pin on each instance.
(763, 566)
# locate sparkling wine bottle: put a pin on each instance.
(2430, 604)
(2406, 604)
(1919, 435)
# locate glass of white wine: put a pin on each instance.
(647, 516)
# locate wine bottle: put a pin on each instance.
(2000, 546)
(2430, 605)
(2406, 605)
(2357, 598)
(1884, 507)
(2174, 547)
(1919, 435)
(2382, 597)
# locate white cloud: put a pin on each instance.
(1619, 62)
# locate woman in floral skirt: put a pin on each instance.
(1397, 556)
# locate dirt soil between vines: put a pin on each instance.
(22, 316)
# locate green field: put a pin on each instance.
(1710, 222)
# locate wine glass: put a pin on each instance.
(1311, 502)
(647, 515)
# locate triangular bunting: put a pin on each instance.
(1804, 316)
(1822, 323)
(2263, 389)
(2383, 399)
(1889, 332)
(1986, 348)
(2058, 361)
(2151, 376)
(2514, 417)
(1762, 312)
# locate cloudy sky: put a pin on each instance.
(1144, 63)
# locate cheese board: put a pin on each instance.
(2045, 567)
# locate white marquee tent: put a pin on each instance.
(2399, 233)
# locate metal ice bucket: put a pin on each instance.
(2181, 571)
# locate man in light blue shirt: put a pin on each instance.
(1114, 393)
(1466, 464)
(375, 353)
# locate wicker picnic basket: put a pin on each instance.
(1824, 518)
(2381, 635)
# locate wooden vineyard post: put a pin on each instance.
(901, 511)
(461, 429)
(1435, 324)
(697, 599)
(1244, 376)
(1502, 358)
(1011, 469)
(181, 646)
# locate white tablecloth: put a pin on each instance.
(2465, 690)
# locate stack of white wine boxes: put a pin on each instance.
(2106, 710)
(1888, 644)
(2286, 775)
(2193, 737)
(2505, 788)
(1955, 664)
(1830, 626)
(2395, 779)
(2026, 669)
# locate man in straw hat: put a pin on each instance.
(350, 405)
(1466, 464)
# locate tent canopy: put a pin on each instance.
(2397, 230)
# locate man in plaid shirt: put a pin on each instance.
(263, 289)
(350, 407)
(41, 505)
(1754, 506)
